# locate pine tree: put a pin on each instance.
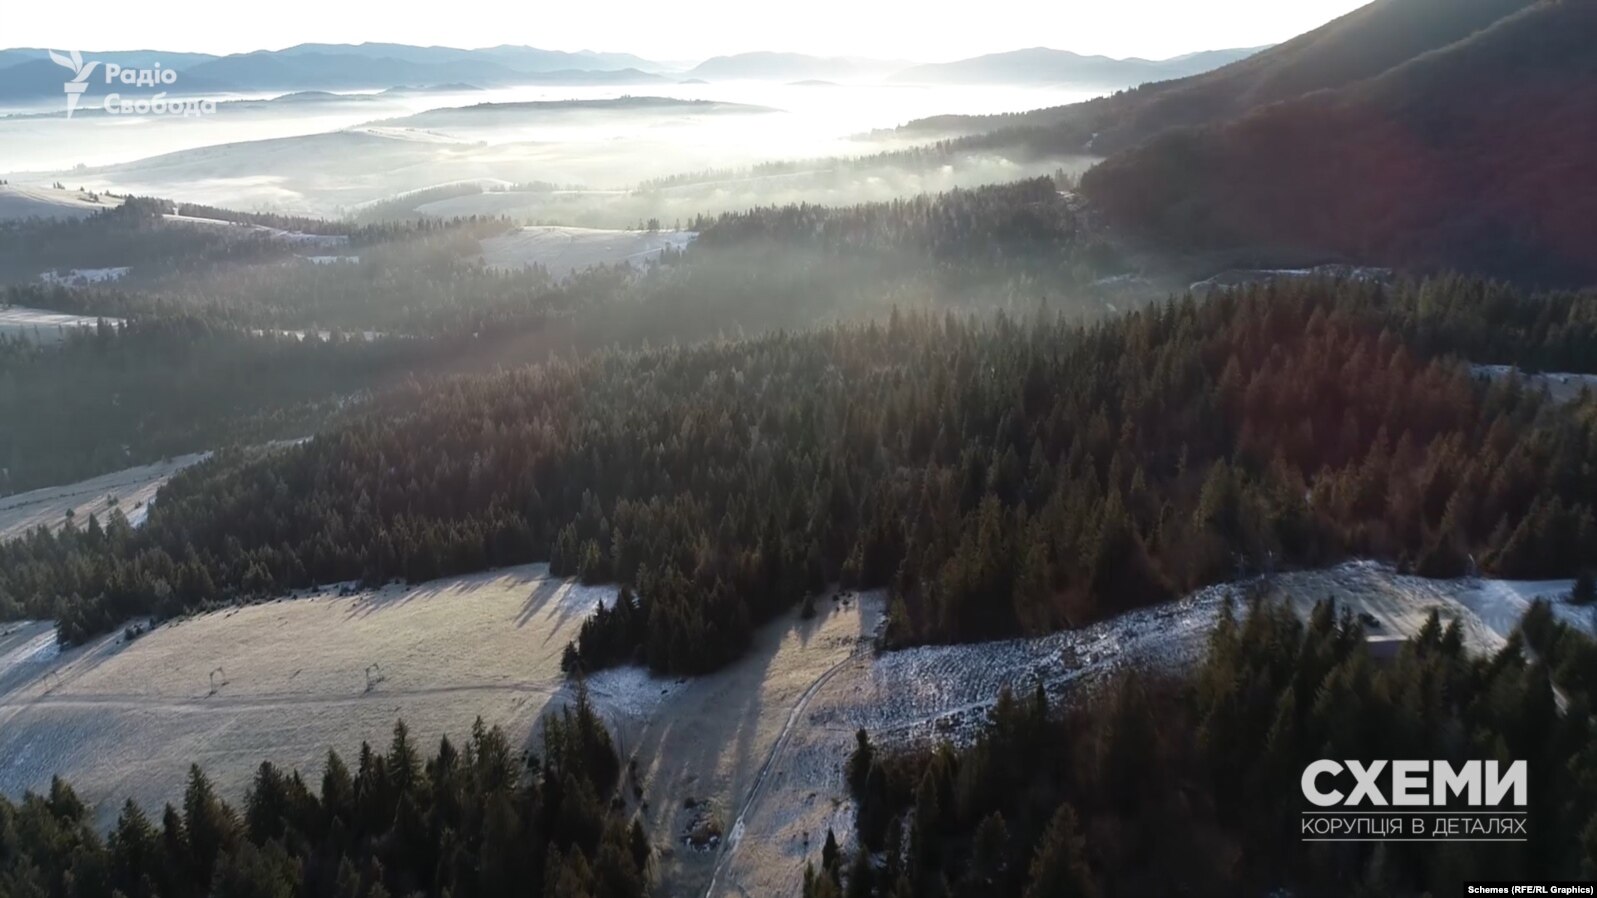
(1059, 869)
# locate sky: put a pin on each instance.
(687, 30)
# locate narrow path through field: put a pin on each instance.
(730, 846)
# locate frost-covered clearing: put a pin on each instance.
(285, 681)
(1561, 386)
(1237, 277)
(26, 647)
(82, 277)
(20, 322)
(18, 202)
(720, 740)
(295, 237)
(757, 749)
(131, 490)
(564, 251)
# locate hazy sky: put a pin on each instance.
(923, 30)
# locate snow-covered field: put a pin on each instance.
(750, 759)
(1488, 610)
(20, 322)
(18, 203)
(284, 681)
(1562, 387)
(130, 490)
(566, 250)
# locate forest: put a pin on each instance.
(414, 300)
(997, 475)
(1188, 784)
(110, 397)
(475, 820)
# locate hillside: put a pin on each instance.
(19, 203)
(1479, 157)
(1359, 45)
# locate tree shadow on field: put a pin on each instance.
(542, 592)
(705, 742)
(370, 601)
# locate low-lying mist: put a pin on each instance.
(586, 149)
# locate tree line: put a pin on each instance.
(997, 476)
(475, 820)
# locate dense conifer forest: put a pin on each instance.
(999, 476)
(206, 358)
(1189, 784)
(110, 397)
(474, 819)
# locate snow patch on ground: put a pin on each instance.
(1487, 610)
(944, 692)
(631, 691)
(24, 647)
(1561, 386)
(564, 251)
(1237, 277)
(83, 277)
(131, 490)
(20, 322)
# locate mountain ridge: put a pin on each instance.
(1477, 156)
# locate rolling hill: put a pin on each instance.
(1479, 156)
(18, 203)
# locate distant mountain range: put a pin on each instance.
(788, 67)
(1041, 65)
(27, 74)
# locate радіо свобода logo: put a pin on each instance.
(80, 76)
(116, 104)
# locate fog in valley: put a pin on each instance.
(334, 154)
